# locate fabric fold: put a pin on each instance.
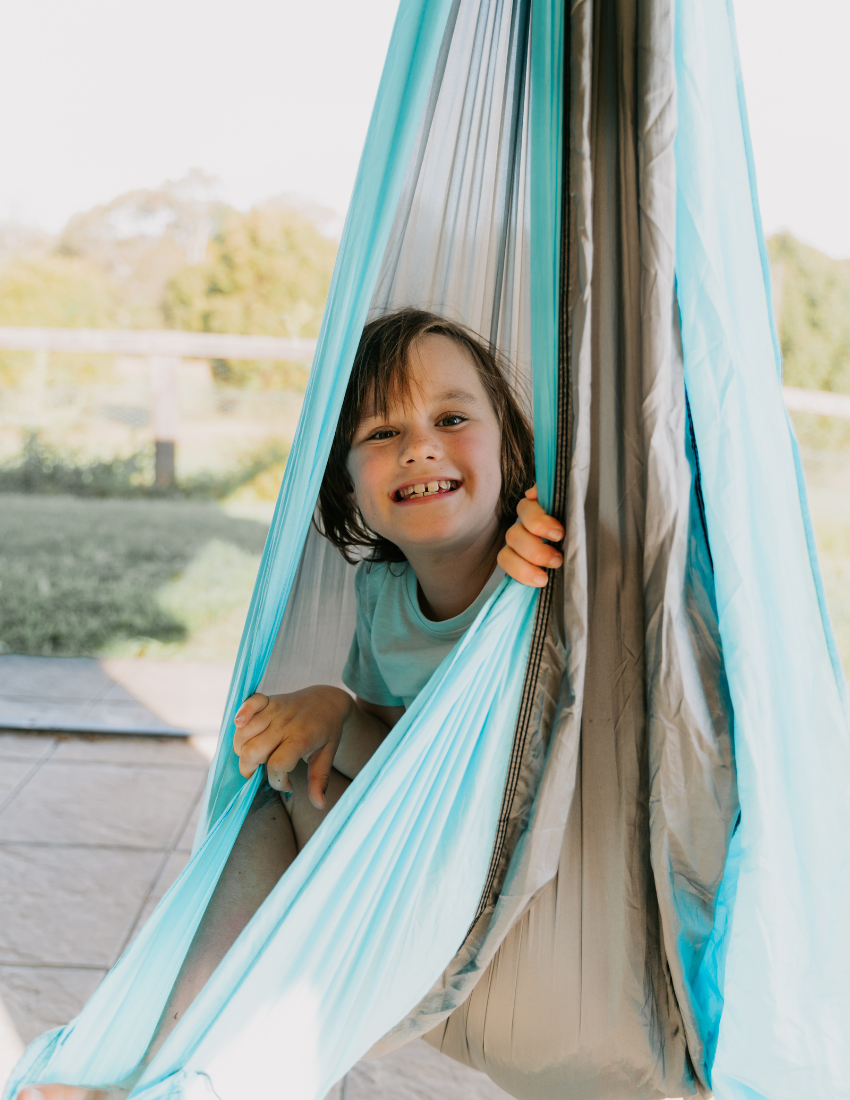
(605, 852)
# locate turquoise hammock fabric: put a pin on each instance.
(364, 930)
(783, 965)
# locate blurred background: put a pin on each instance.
(183, 167)
(176, 166)
(167, 166)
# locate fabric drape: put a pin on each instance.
(590, 989)
(605, 853)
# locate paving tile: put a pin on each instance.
(113, 695)
(186, 694)
(73, 693)
(184, 844)
(174, 865)
(123, 716)
(11, 774)
(161, 751)
(102, 804)
(19, 745)
(70, 679)
(418, 1072)
(205, 745)
(112, 717)
(40, 997)
(70, 906)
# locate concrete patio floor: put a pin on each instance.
(112, 695)
(93, 830)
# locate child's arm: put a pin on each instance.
(525, 550)
(322, 725)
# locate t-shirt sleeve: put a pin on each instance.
(361, 673)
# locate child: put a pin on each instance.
(427, 469)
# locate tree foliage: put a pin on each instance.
(54, 291)
(173, 257)
(268, 272)
(141, 239)
(812, 297)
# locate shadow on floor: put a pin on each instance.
(131, 696)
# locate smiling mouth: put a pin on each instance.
(425, 489)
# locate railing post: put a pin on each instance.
(163, 373)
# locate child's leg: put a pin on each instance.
(263, 850)
(268, 841)
(304, 816)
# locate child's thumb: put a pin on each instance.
(319, 775)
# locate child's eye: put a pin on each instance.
(451, 420)
(383, 433)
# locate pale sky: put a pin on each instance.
(797, 80)
(103, 96)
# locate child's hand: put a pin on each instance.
(280, 730)
(526, 551)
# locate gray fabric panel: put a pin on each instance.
(317, 627)
(581, 997)
(533, 863)
(693, 789)
(459, 244)
(592, 1012)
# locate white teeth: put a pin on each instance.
(421, 489)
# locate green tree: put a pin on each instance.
(141, 239)
(53, 291)
(812, 296)
(267, 272)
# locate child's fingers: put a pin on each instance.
(257, 751)
(283, 760)
(535, 520)
(532, 548)
(278, 778)
(252, 705)
(319, 774)
(258, 724)
(520, 569)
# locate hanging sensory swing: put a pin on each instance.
(605, 852)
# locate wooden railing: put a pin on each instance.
(165, 348)
(161, 342)
(820, 402)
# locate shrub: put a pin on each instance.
(41, 468)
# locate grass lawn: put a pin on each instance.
(124, 577)
(172, 579)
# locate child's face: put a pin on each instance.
(445, 438)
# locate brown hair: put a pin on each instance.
(380, 373)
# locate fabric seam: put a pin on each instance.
(562, 451)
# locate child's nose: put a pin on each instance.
(421, 447)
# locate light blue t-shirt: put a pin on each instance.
(395, 649)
